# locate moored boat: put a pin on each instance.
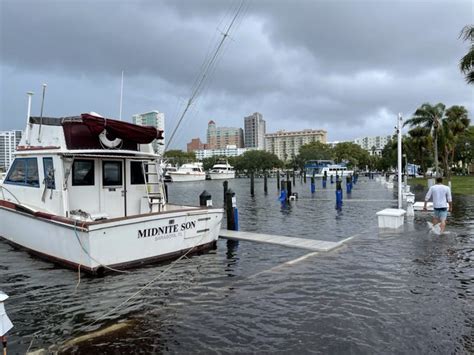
(88, 192)
(188, 172)
(222, 171)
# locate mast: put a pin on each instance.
(121, 97)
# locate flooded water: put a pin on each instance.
(400, 292)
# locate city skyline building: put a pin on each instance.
(255, 130)
(221, 137)
(155, 119)
(195, 144)
(286, 145)
(9, 140)
(229, 151)
(374, 144)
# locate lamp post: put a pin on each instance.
(405, 169)
(399, 159)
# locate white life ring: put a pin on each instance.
(107, 142)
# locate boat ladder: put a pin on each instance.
(154, 184)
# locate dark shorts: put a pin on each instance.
(441, 213)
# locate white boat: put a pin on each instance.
(222, 171)
(188, 172)
(333, 170)
(167, 168)
(88, 192)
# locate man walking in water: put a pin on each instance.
(442, 202)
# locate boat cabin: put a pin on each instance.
(86, 167)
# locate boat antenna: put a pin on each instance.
(205, 73)
(41, 113)
(121, 97)
(28, 114)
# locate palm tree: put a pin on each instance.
(418, 141)
(429, 116)
(467, 62)
(454, 125)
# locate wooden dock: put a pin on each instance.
(310, 244)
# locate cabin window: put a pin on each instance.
(136, 173)
(83, 173)
(48, 169)
(112, 173)
(24, 171)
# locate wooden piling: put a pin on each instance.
(225, 184)
(230, 210)
(265, 187)
(252, 183)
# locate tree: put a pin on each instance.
(430, 117)
(455, 124)
(417, 143)
(179, 157)
(464, 152)
(257, 160)
(352, 154)
(467, 62)
(312, 151)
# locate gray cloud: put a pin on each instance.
(345, 66)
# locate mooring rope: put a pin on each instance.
(93, 259)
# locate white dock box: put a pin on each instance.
(391, 218)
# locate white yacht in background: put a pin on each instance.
(333, 170)
(167, 169)
(221, 171)
(188, 172)
(88, 192)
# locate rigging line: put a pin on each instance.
(164, 272)
(205, 73)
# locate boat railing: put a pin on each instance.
(3, 188)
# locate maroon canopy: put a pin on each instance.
(120, 129)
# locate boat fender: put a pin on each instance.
(108, 142)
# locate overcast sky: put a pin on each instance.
(344, 66)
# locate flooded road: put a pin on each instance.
(391, 292)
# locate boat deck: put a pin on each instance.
(310, 244)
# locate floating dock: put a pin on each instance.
(293, 242)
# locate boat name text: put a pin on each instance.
(172, 228)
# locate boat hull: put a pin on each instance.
(176, 177)
(117, 243)
(333, 173)
(222, 176)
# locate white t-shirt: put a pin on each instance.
(441, 195)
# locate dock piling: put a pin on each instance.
(288, 189)
(252, 183)
(225, 184)
(231, 211)
(265, 186)
(205, 199)
(338, 196)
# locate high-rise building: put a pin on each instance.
(374, 145)
(229, 151)
(9, 140)
(221, 137)
(286, 145)
(195, 144)
(255, 131)
(155, 119)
